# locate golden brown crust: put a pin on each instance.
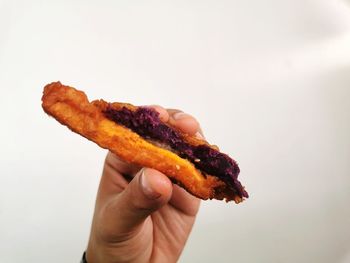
(71, 108)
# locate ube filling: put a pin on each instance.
(145, 122)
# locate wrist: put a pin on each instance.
(98, 253)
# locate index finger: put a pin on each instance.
(185, 122)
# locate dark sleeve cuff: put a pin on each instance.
(83, 260)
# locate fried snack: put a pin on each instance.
(137, 136)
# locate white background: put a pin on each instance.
(268, 80)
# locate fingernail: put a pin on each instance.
(146, 187)
(180, 115)
(199, 135)
(215, 147)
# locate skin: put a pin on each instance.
(140, 216)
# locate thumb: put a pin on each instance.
(148, 191)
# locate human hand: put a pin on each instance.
(140, 216)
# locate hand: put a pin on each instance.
(140, 216)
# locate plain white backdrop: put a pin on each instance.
(269, 82)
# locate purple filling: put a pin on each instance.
(145, 122)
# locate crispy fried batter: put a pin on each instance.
(71, 108)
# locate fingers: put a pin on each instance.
(126, 169)
(148, 191)
(184, 202)
(183, 121)
(163, 113)
(115, 177)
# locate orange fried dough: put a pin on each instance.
(72, 108)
